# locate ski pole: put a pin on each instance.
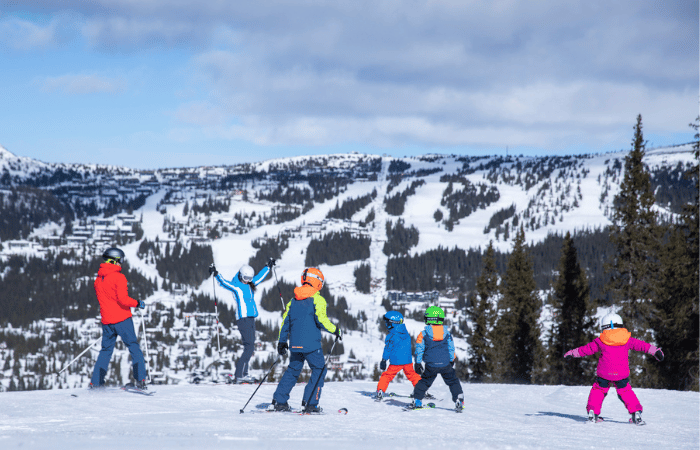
(216, 311)
(145, 343)
(325, 363)
(261, 382)
(84, 351)
(278, 287)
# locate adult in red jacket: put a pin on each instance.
(115, 308)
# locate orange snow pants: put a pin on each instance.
(391, 372)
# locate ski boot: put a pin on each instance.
(416, 404)
(427, 396)
(246, 380)
(141, 385)
(379, 396)
(313, 409)
(459, 403)
(279, 407)
(96, 387)
(636, 418)
(593, 417)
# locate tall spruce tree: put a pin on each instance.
(635, 234)
(676, 325)
(573, 320)
(516, 336)
(482, 315)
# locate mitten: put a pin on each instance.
(382, 365)
(418, 367)
(282, 348)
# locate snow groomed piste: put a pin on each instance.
(207, 416)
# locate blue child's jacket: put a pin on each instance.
(397, 346)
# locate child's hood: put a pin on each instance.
(616, 337)
(304, 292)
(399, 329)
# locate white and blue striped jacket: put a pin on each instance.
(242, 293)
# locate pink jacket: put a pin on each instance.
(614, 346)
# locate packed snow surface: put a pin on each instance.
(208, 417)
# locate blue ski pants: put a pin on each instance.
(246, 326)
(125, 330)
(291, 375)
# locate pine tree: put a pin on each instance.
(635, 235)
(517, 332)
(676, 326)
(482, 316)
(573, 320)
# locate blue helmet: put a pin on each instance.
(392, 318)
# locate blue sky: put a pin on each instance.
(172, 83)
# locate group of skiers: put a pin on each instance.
(300, 335)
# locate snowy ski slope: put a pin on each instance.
(207, 417)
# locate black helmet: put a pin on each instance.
(112, 255)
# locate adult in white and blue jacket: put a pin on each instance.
(242, 287)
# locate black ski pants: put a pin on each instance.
(449, 376)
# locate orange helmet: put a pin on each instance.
(314, 277)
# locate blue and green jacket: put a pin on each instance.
(434, 346)
(303, 320)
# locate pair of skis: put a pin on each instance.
(130, 387)
(301, 412)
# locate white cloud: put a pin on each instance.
(18, 34)
(391, 72)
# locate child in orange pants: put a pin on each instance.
(397, 349)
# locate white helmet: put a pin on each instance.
(246, 273)
(610, 321)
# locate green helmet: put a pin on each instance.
(434, 315)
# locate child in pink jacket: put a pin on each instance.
(614, 345)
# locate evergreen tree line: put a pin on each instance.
(185, 265)
(204, 303)
(458, 269)
(337, 248)
(37, 288)
(24, 209)
(368, 219)
(399, 239)
(395, 204)
(363, 278)
(351, 206)
(208, 206)
(268, 248)
(499, 217)
(287, 195)
(461, 203)
(398, 166)
(671, 188)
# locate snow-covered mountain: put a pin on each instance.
(452, 201)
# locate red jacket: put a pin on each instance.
(111, 290)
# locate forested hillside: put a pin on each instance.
(523, 253)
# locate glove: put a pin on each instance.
(418, 367)
(452, 363)
(142, 305)
(271, 262)
(656, 351)
(282, 348)
(382, 365)
(572, 354)
(212, 270)
(338, 334)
